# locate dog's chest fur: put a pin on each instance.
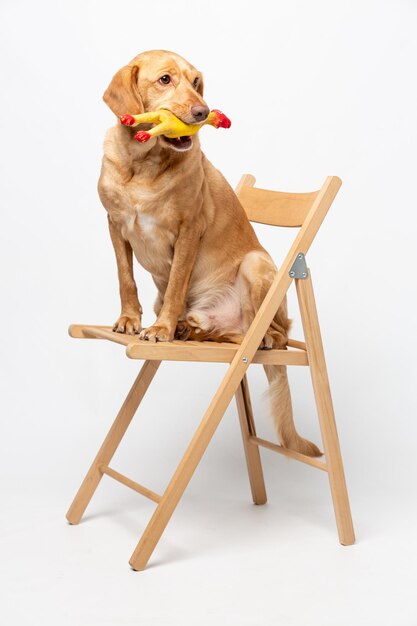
(149, 194)
(146, 223)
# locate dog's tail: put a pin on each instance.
(281, 409)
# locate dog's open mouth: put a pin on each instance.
(179, 143)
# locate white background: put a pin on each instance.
(313, 88)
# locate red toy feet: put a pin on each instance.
(127, 120)
(221, 120)
(142, 136)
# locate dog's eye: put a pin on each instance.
(165, 79)
(195, 83)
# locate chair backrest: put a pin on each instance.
(310, 219)
(306, 210)
(276, 208)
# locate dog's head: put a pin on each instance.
(159, 80)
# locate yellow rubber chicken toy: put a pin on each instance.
(166, 123)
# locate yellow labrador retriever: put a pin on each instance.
(175, 212)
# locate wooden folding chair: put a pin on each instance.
(306, 210)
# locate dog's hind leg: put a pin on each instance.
(256, 273)
(187, 332)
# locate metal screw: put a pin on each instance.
(292, 273)
(245, 359)
(304, 274)
(300, 256)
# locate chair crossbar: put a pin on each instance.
(124, 480)
(300, 345)
(291, 454)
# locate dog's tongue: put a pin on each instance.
(183, 139)
(180, 143)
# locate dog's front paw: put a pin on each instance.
(157, 333)
(129, 324)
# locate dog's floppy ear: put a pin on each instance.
(122, 95)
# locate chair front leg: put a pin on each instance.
(112, 441)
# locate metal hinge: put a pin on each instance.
(299, 267)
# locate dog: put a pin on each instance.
(169, 207)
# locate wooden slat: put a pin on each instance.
(293, 343)
(275, 207)
(246, 180)
(197, 351)
(292, 454)
(325, 410)
(210, 352)
(253, 458)
(144, 491)
(86, 331)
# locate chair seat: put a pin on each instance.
(204, 351)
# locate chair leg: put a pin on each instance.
(325, 410)
(112, 441)
(253, 457)
(186, 468)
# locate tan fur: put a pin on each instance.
(180, 218)
(281, 409)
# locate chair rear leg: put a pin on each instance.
(325, 410)
(112, 441)
(253, 458)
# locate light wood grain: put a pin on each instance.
(293, 343)
(253, 458)
(211, 352)
(247, 180)
(124, 480)
(88, 331)
(197, 351)
(111, 442)
(325, 411)
(274, 207)
(291, 454)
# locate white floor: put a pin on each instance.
(222, 560)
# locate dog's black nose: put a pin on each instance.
(200, 112)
